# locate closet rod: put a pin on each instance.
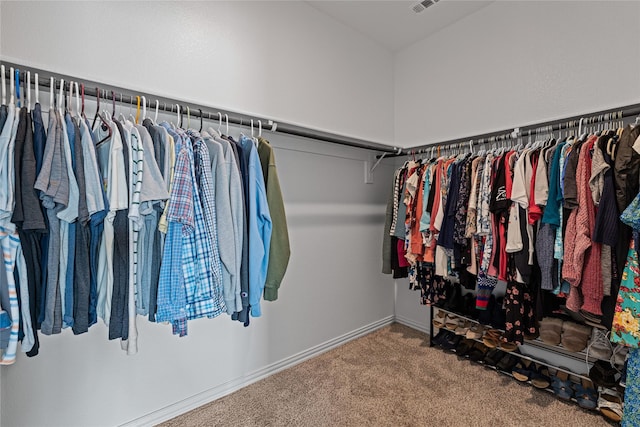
(572, 122)
(128, 96)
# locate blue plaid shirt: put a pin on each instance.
(190, 277)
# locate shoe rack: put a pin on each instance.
(581, 356)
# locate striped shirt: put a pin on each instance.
(9, 242)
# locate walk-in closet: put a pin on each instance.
(320, 213)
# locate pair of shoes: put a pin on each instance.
(450, 342)
(575, 336)
(463, 327)
(438, 319)
(508, 346)
(586, 395)
(451, 322)
(562, 387)
(610, 405)
(477, 353)
(619, 356)
(540, 377)
(603, 374)
(551, 330)
(600, 346)
(522, 370)
(492, 338)
(464, 347)
(508, 362)
(475, 332)
(492, 357)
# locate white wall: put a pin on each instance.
(283, 60)
(242, 56)
(514, 63)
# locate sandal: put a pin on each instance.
(451, 322)
(586, 395)
(522, 371)
(562, 387)
(492, 338)
(508, 346)
(610, 405)
(540, 377)
(438, 319)
(475, 332)
(463, 328)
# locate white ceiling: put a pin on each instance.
(394, 24)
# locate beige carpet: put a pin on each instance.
(388, 378)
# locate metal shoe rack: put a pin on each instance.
(537, 343)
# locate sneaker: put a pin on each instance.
(619, 356)
(600, 346)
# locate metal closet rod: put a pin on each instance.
(128, 96)
(608, 115)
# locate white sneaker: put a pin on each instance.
(600, 347)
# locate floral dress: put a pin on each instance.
(626, 328)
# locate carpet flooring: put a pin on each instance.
(388, 378)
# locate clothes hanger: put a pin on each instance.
(155, 119)
(28, 90)
(52, 90)
(84, 116)
(260, 128)
(4, 85)
(12, 88)
(226, 118)
(188, 117)
(138, 110)
(200, 110)
(17, 82)
(219, 123)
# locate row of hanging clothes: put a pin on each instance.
(551, 219)
(117, 217)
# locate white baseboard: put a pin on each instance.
(412, 324)
(229, 387)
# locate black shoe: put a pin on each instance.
(603, 374)
(493, 357)
(450, 342)
(478, 352)
(464, 347)
(508, 362)
(439, 337)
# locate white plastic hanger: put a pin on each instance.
(226, 117)
(178, 105)
(4, 86)
(77, 99)
(12, 88)
(28, 90)
(70, 105)
(155, 119)
(188, 117)
(144, 108)
(219, 123)
(260, 128)
(60, 99)
(52, 89)
(37, 90)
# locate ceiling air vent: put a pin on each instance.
(423, 5)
